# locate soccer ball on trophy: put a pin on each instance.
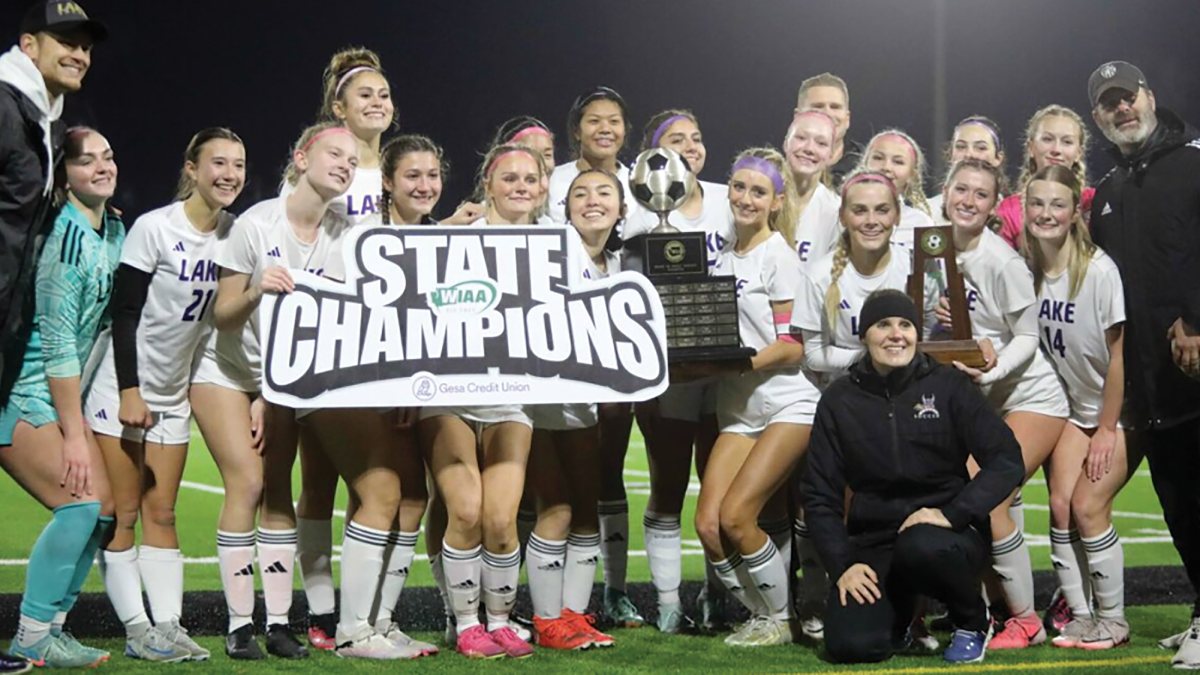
(661, 181)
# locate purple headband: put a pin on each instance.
(762, 166)
(991, 131)
(662, 128)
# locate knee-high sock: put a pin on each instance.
(439, 579)
(780, 530)
(1010, 559)
(771, 578)
(83, 568)
(737, 581)
(814, 581)
(276, 562)
(162, 577)
(52, 564)
(545, 563)
(614, 542)
(314, 550)
(500, 576)
(464, 575)
(362, 560)
(663, 540)
(583, 554)
(396, 566)
(526, 521)
(712, 581)
(235, 558)
(123, 584)
(1068, 568)
(1016, 511)
(1106, 558)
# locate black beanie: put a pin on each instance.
(882, 305)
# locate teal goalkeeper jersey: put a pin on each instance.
(74, 285)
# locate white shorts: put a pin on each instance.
(1033, 388)
(563, 417)
(209, 371)
(171, 427)
(481, 416)
(749, 403)
(689, 402)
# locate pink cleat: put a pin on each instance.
(477, 643)
(1019, 633)
(511, 643)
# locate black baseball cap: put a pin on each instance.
(61, 16)
(1115, 74)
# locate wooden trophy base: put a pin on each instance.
(966, 352)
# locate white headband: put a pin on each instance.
(346, 78)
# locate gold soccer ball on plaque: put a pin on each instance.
(933, 243)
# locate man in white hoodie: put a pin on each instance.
(50, 60)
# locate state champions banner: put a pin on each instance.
(453, 316)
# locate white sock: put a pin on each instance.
(314, 551)
(56, 626)
(362, 560)
(30, 631)
(663, 539)
(614, 542)
(781, 533)
(583, 555)
(162, 577)
(1068, 570)
(439, 579)
(235, 558)
(276, 560)
(1010, 559)
(123, 584)
(526, 521)
(403, 548)
(545, 562)
(1085, 570)
(712, 580)
(1016, 511)
(814, 581)
(464, 574)
(1106, 558)
(771, 578)
(500, 576)
(737, 581)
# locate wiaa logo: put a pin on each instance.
(466, 298)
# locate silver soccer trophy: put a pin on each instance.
(661, 181)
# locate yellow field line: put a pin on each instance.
(1002, 667)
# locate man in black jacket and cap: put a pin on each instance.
(51, 58)
(1146, 215)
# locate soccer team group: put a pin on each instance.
(116, 338)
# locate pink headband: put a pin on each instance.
(529, 131)
(761, 166)
(324, 132)
(825, 116)
(337, 90)
(991, 131)
(912, 149)
(870, 177)
(662, 128)
(492, 166)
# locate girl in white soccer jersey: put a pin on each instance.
(978, 137)
(138, 403)
(598, 125)
(478, 454)
(564, 464)
(685, 414)
(1018, 379)
(1081, 312)
(765, 413)
(896, 155)
(808, 146)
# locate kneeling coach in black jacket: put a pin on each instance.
(897, 432)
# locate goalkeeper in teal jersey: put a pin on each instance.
(45, 444)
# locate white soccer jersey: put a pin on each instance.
(936, 203)
(999, 283)
(1073, 332)
(560, 182)
(819, 227)
(910, 220)
(176, 318)
(263, 237)
(361, 205)
(715, 220)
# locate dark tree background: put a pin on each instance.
(458, 69)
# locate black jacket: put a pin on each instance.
(1146, 215)
(26, 214)
(901, 443)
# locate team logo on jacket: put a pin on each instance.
(926, 409)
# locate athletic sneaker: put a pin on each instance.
(586, 624)
(620, 611)
(477, 643)
(1176, 641)
(761, 631)
(451, 634)
(372, 645)
(393, 633)
(179, 635)
(511, 643)
(672, 621)
(713, 617)
(241, 645)
(1059, 614)
(13, 665)
(89, 656)
(1106, 634)
(919, 637)
(968, 646)
(153, 645)
(281, 643)
(1188, 656)
(1072, 633)
(559, 633)
(1019, 633)
(322, 629)
(50, 652)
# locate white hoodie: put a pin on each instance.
(19, 70)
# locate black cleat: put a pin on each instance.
(240, 645)
(281, 643)
(13, 664)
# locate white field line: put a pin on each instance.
(1042, 481)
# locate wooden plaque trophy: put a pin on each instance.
(932, 255)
